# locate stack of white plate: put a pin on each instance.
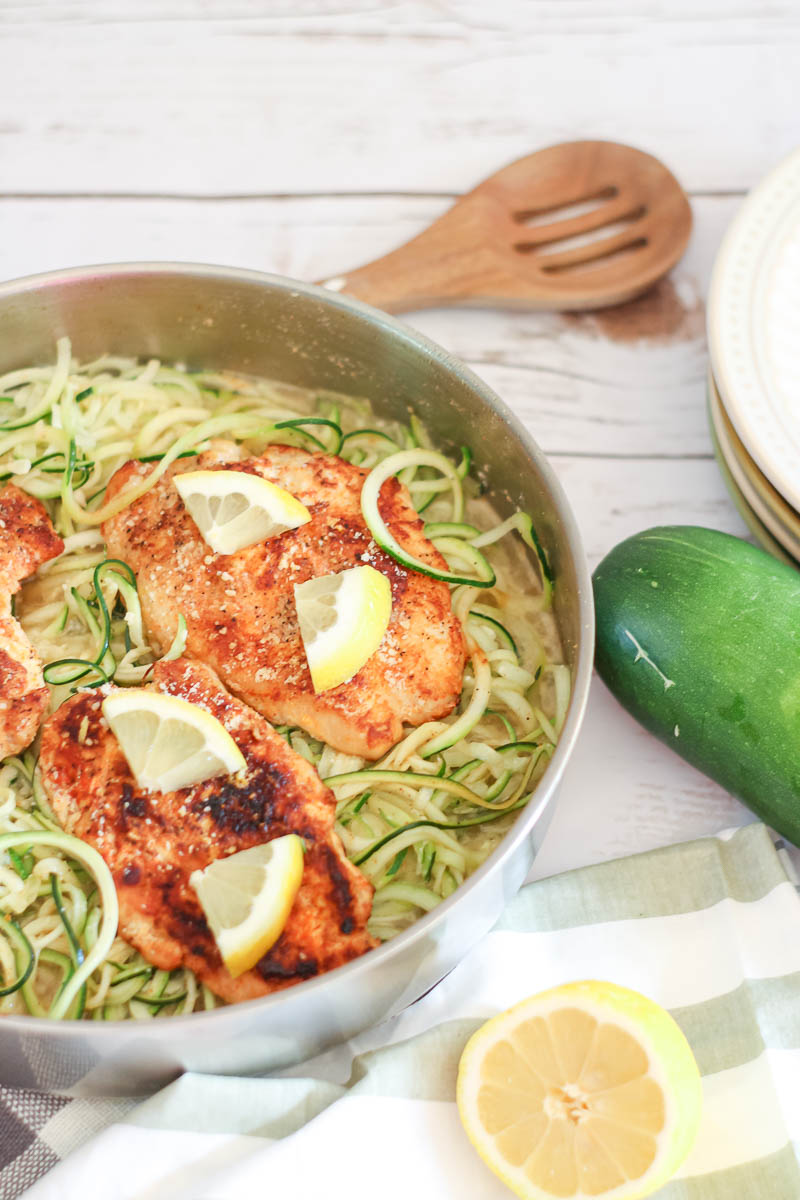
(754, 343)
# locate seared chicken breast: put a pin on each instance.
(27, 539)
(240, 609)
(152, 841)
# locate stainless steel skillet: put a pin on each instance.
(219, 318)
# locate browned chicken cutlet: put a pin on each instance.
(240, 609)
(27, 539)
(152, 841)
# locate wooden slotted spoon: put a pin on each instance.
(509, 243)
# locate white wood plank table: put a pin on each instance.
(308, 136)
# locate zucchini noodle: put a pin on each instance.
(417, 823)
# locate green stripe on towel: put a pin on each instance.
(677, 879)
(773, 1178)
(734, 1029)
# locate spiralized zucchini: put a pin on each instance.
(417, 823)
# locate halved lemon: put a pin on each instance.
(585, 1090)
(342, 621)
(168, 742)
(233, 509)
(248, 896)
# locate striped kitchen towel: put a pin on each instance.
(710, 929)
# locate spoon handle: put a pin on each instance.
(452, 262)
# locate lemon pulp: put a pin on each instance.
(234, 509)
(247, 898)
(586, 1090)
(168, 742)
(342, 621)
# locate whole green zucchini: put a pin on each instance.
(698, 636)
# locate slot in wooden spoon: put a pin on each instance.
(580, 225)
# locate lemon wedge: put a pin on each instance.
(585, 1090)
(342, 621)
(248, 896)
(168, 742)
(233, 509)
